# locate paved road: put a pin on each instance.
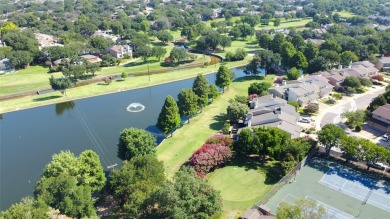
(359, 101)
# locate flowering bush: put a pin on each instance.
(208, 157)
(252, 96)
(378, 77)
(220, 139)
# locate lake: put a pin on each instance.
(29, 138)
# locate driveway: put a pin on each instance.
(331, 114)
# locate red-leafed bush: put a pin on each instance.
(378, 77)
(252, 96)
(208, 157)
(220, 139)
(278, 80)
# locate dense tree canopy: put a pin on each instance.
(330, 136)
(169, 118)
(187, 103)
(135, 142)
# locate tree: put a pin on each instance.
(277, 42)
(236, 111)
(213, 92)
(62, 192)
(354, 118)
(253, 66)
(144, 52)
(330, 136)
(351, 82)
(235, 32)
(293, 74)
(100, 43)
(259, 88)
(124, 75)
(200, 87)
(135, 182)
(310, 51)
(225, 41)
(294, 104)
(240, 54)
(169, 118)
(311, 108)
(20, 58)
(303, 208)
(347, 56)
(8, 26)
(350, 147)
(178, 54)
(60, 84)
(298, 42)
(299, 61)
(187, 189)
(287, 51)
(331, 44)
(159, 52)
(268, 59)
(135, 142)
(189, 32)
(223, 78)
(318, 64)
(27, 208)
(244, 145)
(164, 36)
(86, 168)
(92, 67)
(277, 22)
(187, 103)
(265, 41)
(75, 70)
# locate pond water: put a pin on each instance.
(29, 138)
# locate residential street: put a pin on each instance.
(331, 114)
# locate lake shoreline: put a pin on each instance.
(52, 101)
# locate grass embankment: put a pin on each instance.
(344, 14)
(115, 86)
(242, 183)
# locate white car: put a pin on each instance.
(305, 120)
(386, 137)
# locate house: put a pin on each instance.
(119, 51)
(366, 67)
(383, 64)
(106, 34)
(261, 212)
(304, 91)
(45, 40)
(273, 111)
(334, 78)
(6, 66)
(91, 58)
(381, 118)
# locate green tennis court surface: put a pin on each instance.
(345, 201)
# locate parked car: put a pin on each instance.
(305, 120)
(378, 165)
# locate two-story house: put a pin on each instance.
(273, 111)
(119, 51)
(383, 64)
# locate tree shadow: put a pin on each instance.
(158, 43)
(47, 98)
(272, 170)
(252, 43)
(219, 121)
(249, 78)
(132, 64)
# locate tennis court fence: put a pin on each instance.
(287, 178)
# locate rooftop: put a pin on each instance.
(383, 111)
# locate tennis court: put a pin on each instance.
(331, 212)
(365, 189)
(340, 190)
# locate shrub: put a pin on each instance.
(279, 80)
(311, 108)
(330, 101)
(365, 82)
(229, 56)
(337, 96)
(358, 128)
(220, 139)
(378, 77)
(208, 157)
(226, 128)
(294, 104)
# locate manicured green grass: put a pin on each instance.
(285, 24)
(115, 86)
(344, 14)
(242, 184)
(175, 151)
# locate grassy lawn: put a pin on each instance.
(344, 14)
(285, 24)
(242, 183)
(115, 86)
(175, 151)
